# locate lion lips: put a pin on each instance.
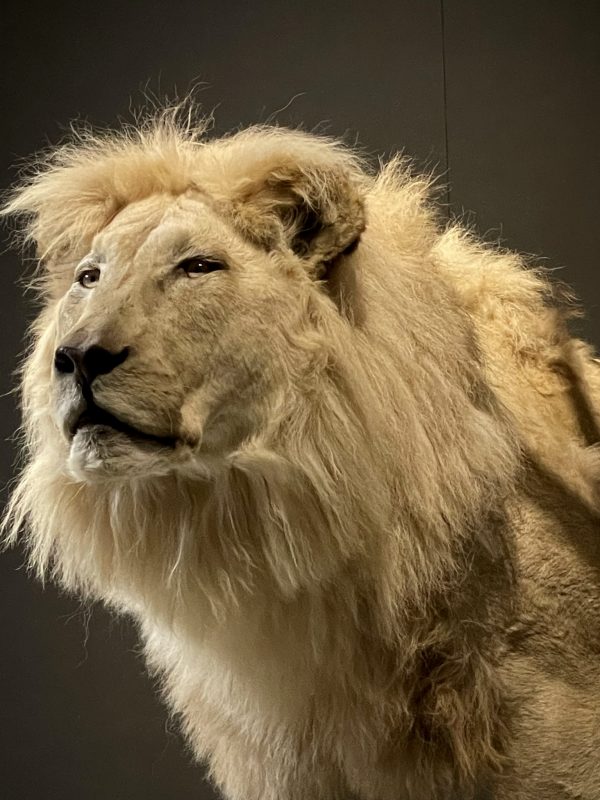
(93, 415)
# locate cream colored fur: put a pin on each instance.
(369, 567)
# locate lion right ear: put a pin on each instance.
(74, 191)
(60, 208)
(298, 192)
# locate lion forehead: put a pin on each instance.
(165, 227)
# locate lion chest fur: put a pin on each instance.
(342, 445)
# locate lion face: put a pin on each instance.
(174, 340)
(181, 291)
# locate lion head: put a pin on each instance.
(180, 283)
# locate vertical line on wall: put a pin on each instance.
(445, 92)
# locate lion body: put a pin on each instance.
(370, 570)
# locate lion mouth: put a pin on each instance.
(94, 416)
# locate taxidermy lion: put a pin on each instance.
(339, 462)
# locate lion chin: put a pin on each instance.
(100, 453)
(338, 460)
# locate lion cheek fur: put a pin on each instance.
(330, 584)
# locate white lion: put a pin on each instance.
(339, 463)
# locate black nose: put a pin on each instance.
(88, 363)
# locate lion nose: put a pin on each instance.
(88, 362)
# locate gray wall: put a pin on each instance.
(500, 97)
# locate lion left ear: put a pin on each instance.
(312, 206)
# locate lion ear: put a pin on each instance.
(310, 205)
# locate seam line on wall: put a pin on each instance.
(445, 94)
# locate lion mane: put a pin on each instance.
(378, 593)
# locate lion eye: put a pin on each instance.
(89, 277)
(198, 265)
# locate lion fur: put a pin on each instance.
(390, 587)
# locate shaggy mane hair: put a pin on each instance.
(327, 603)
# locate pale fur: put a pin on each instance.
(369, 568)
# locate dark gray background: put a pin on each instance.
(501, 97)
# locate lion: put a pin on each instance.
(338, 460)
